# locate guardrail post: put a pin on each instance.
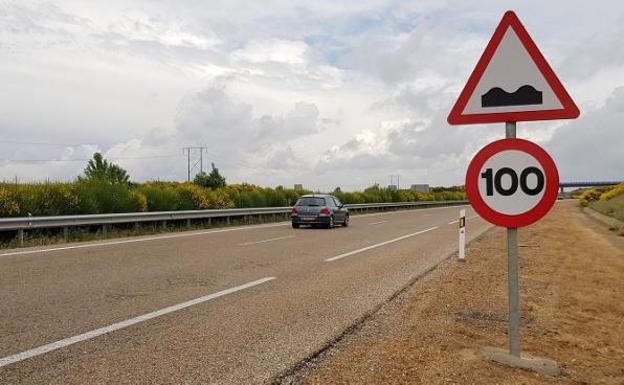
(227, 220)
(164, 224)
(104, 229)
(20, 236)
(65, 233)
(188, 222)
(209, 221)
(137, 226)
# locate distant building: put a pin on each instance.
(392, 187)
(420, 187)
(298, 187)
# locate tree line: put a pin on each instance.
(105, 187)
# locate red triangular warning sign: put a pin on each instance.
(512, 82)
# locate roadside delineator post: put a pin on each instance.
(462, 235)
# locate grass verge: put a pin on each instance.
(613, 207)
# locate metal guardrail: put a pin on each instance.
(103, 219)
(20, 224)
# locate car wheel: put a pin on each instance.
(295, 225)
(346, 221)
(330, 225)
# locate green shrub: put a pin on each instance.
(50, 199)
(257, 199)
(275, 198)
(96, 196)
(39, 199)
(160, 197)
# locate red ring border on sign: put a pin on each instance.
(528, 217)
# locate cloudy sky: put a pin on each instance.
(323, 93)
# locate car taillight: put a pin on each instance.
(293, 212)
(324, 211)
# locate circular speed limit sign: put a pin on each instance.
(512, 182)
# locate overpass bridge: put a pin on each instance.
(563, 185)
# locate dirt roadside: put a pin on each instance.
(572, 297)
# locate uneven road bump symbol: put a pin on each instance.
(498, 97)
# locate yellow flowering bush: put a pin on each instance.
(588, 196)
(8, 203)
(612, 192)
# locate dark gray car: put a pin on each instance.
(319, 210)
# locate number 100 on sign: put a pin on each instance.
(497, 182)
(512, 182)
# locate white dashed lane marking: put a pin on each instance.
(266, 240)
(124, 324)
(337, 257)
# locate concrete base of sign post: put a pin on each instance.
(526, 361)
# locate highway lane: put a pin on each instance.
(246, 336)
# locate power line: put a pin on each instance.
(85, 159)
(46, 143)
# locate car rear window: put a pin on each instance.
(311, 201)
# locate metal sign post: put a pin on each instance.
(512, 274)
(514, 295)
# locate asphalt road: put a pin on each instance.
(239, 305)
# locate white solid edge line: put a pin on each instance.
(455, 221)
(404, 211)
(266, 240)
(378, 223)
(123, 324)
(136, 240)
(337, 257)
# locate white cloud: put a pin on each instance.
(277, 51)
(592, 147)
(283, 92)
(139, 27)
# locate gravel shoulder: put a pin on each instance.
(572, 291)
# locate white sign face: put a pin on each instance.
(512, 182)
(512, 82)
